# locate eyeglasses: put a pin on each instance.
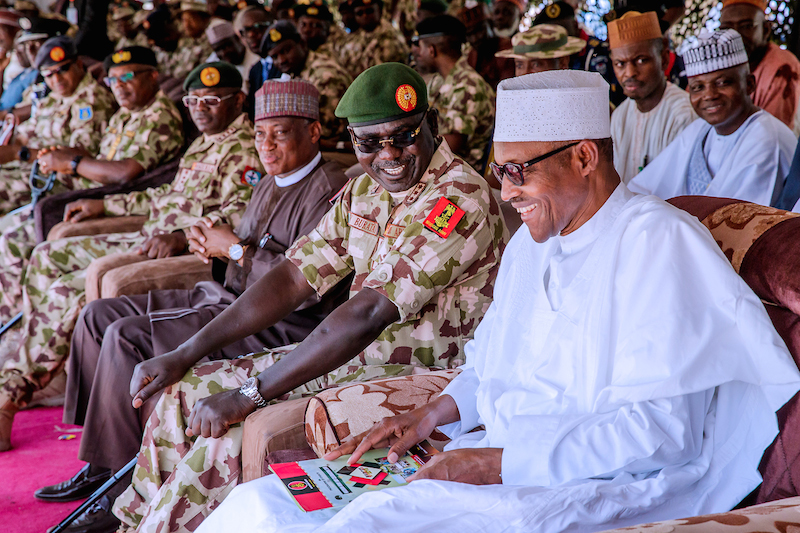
(515, 171)
(208, 101)
(60, 70)
(110, 81)
(398, 140)
(255, 27)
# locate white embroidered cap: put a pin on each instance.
(714, 51)
(558, 105)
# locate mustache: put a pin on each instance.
(404, 161)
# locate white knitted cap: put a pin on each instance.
(558, 105)
(714, 51)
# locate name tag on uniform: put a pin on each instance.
(444, 218)
(203, 167)
(393, 231)
(367, 226)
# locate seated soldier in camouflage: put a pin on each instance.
(291, 56)
(145, 132)
(75, 113)
(177, 55)
(215, 181)
(374, 42)
(464, 100)
(423, 236)
(316, 26)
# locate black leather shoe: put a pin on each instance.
(95, 519)
(81, 486)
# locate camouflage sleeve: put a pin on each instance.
(157, 140)
(87, 126)
(132, 203)
(235, 191)
(457, 115)
(422, 263)
(24, 131)
(322, 255)
(331, 91)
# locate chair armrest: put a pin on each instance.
(96, 226)
(774, 517)
(275, 428)
(335, 414)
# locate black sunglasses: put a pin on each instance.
(515, 171)
(398, 140)
(60, 70)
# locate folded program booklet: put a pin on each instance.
(319, 484)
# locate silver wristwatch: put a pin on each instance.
(250, 389)
(236, 251)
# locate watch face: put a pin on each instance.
(236, 252)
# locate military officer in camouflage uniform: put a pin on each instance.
(215, 181)
(177, 55)
(291, 55)
(75, 113)
(145, 132)
(543, 47)
(463, 99)
(422, 234)
(374, 42)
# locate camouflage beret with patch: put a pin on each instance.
(217, 74)
(55, 51)
(132, 55)
(385, 92)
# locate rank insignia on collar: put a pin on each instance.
(251, 176)
(444, 218)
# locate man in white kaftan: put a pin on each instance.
(611, 394)
(734, 150)
(656, 111)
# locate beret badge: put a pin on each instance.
(274, 35)
(313, 11)
(406, 97)
(121, 56)
(57, 54)
(553, 11)
(210, 76)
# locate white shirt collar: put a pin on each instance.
(298, 175)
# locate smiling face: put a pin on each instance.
(399, 169)
(284, 144)
(722, 99)
(639, 67)
(555, 192)
(139, 91)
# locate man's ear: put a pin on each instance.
(664, 53)
(433, 122)
(315, 131)
(587, 153)
(750, 82)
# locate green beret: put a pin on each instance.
(217, 74)
(385, 92)
(132, 55)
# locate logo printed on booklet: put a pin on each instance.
(444, 218)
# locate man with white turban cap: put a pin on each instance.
(624, 373)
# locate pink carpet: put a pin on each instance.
(37, 459)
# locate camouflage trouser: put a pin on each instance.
(52, 297)
(15, 190)
(17, 240)
(179, 480)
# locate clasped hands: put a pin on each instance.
(59, 158)
(207, 241)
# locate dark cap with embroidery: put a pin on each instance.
(281, 31)
(217, 74)
(55, 51)
(132, 55)
(385, 92)
(314, 9)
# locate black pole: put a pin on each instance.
(99, 493)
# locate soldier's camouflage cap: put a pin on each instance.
(440, 25)
(385, 92)
(217, 74)
(315, 9)
(55, 51)
(132, 55)
(544, 41)
(280, 31)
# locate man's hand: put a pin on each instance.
(212, 416)
(58, 159)
(207, 241)
(153, 375)
(83, 209)
(401, 432)
(476, 466)
(161, 246)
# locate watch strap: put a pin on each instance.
(250, 389)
